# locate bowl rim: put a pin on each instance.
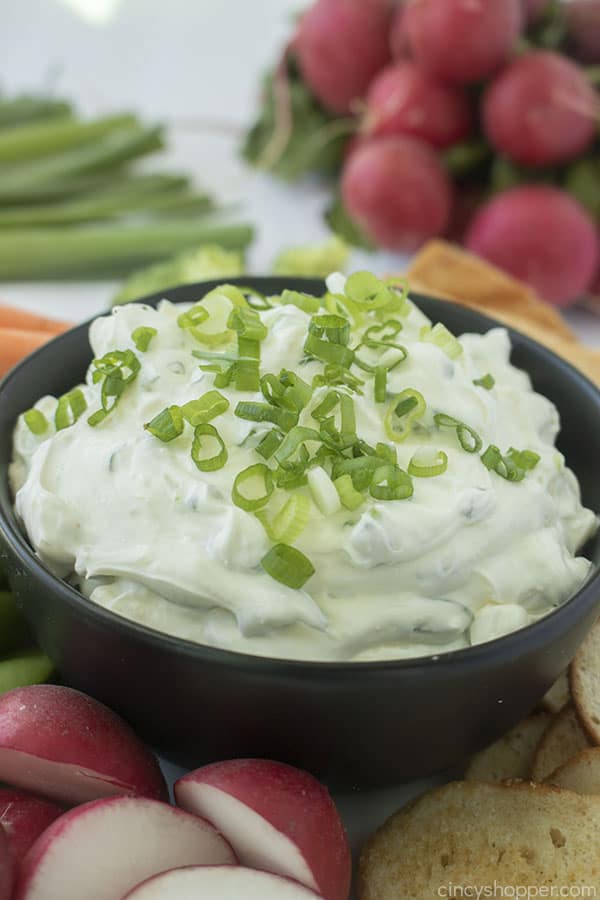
(511, 644)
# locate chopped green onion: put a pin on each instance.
(323, 491)
(443, 339)
(122, 362)
(468, 438)
(305, 302)
(269, 444)
(326, 406)
(291, 520)
(406, 408)
(391, 483)
(207, 407)
(70, 407)
(334, 438)
(486, 381)
(203, 462)
(288, 390)
(328, 352)
(292, 441)
(167, 424)
(247, 323)
(264, 412)
(233, 293)
(380, 384)
(259, 486)
(194, 316)
(288, 565)
(36, 421)
(427, 462)
(142, 336)
(360, 469)
(501, 465)
(524, 459)
(387, 453)
(349, 496)
(334, 375)
(336, 328)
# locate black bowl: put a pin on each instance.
(352, 724)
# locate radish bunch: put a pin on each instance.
(420, 106)
(88, 816)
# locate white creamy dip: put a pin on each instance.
(468, 557)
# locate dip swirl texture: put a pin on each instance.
(471, 555)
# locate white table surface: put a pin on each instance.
(195, 64)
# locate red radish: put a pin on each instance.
(583, 29)
(541, 235)
(6, 868)
(101, 850)
(64, 745)
(463, 40)
(220, 883)
(405, 99)
(397, 191)
(340, 45)
(276, 818)
(399, 39)
(541, 110)
(23, 818)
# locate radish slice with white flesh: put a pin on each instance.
(65, 745)
(24, 817)
(220, 883)
(6, 867)
(103, 849)
(276, 818)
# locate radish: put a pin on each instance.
(541, 235)
(219, 883)
(340, 45)
(405, 99)
(23, 818)
(583, 29)
(6, 868)
(276, 818)
(64, 745)
(463, 40)
(541, 110)
(101, 850)
(397, 191)
(399, 39)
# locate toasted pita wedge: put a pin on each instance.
(563, 739)
(512, 755)
(558, 696)
(584, 675)
(471, 833)
(581, 773)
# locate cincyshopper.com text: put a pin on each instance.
(451, 891)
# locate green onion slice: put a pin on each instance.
(70, 407)
(122, 362)
(380, 384)
(350, 498)
(291, 520)
(292, 441)
(247, 323)
(486, 381)
(360, 469)
(328, 352)
(408, 406)
(36, 421)
(204, 436)
(524, 459)
(323, 491)
(305, 302)
(468, 438)
(264, 412)
(503, 466)
(269, 444)
(335, 328)
(427, 463)
(288, 566)
(167, 424)
(258, 482)
(334, 375)
(391, 483)
(442, 338)
(207, 407)
(142, 337)
(326, 406)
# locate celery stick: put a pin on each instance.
(70, 186)
(31, 667)
(114, 148)
(25, 142)
(96, 252)
(20, 110)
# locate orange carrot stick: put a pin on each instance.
(15, 343)
(10, 317)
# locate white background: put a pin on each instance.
(195, 64)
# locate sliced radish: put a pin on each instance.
(64, 745)
(102, 849)
(23, 818)
(276, 818)
(220, 883)
(6, 868)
